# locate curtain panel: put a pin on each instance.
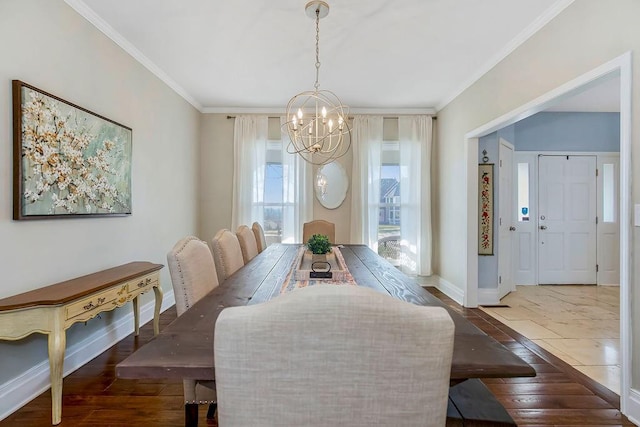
(249, 156)
(415, 141)
(297, 192)
(366, 144)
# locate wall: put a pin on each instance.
(566, 131)
(585, 35)
(47, 44)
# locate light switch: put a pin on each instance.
(636, 216)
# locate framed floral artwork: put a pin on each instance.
(67, 160)
(485, 214)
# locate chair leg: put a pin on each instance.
(211, 412)
(190, 415)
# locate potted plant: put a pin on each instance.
(319, 245)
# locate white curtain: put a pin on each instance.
(366, 144)
(297, 194)
(249, 154)
(415, 140)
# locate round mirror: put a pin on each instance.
(331, 185)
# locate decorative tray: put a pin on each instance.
(304, 266)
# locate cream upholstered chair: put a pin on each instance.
(259, 234)
(333, 355)
(193, 275)
(226, 254)
(319, 226)
(248, 244)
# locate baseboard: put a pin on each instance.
(449, 289)
(633, 407)
(18, 391)
(488, 296)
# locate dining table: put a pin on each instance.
(184, 348)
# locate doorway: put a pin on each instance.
(621, 67)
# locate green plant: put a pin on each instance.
(319, 244)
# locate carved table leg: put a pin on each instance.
(157, 290)
(57, 342)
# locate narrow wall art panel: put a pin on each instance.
(485, 218)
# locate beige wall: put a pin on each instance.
(587, 34)
(216, 176)
(47, 44)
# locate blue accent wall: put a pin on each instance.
(565, 131)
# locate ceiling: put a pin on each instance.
(250, 55)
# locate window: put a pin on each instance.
(523, 192)
(389, 219)
(272, 207)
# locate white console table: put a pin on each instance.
(53, 309)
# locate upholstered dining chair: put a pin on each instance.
(193, 275)
(248, 244)
(319, 226)
(258, 232)
(227, 254)
(333, 355)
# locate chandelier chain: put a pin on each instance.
(317, 85)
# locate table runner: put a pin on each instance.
(290, 283)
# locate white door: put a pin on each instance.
(506, 220)
(567, 219)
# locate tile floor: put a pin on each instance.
(578, 324)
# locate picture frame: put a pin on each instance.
(485, 209)
(68, 162)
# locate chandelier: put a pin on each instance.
(316, 119)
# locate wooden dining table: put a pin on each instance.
(184, 349)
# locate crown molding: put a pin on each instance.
(524, 35)
(87, 13)
(281, 111)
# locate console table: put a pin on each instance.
(53, 309)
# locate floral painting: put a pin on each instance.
(68, 161)
(485, 226)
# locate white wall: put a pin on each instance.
(47, 44)
(585, 35)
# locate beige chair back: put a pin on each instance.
(226, 254)
(248, 244)
(333, 355)
(319, 226)
(193, 275)
(261, 241)
(192, 270)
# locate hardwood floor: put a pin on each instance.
(92, 396)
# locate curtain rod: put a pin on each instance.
(350, 118)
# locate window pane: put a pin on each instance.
(273, 224)
(273, 183)
(389, 219)
(608, 193)
(523, 192)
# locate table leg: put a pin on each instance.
(57, 343)
(136, 315)
(157, 290)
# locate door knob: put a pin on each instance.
(512, 228)
(543, 227)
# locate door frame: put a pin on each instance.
(620, 65)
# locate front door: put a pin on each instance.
(566, 219)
